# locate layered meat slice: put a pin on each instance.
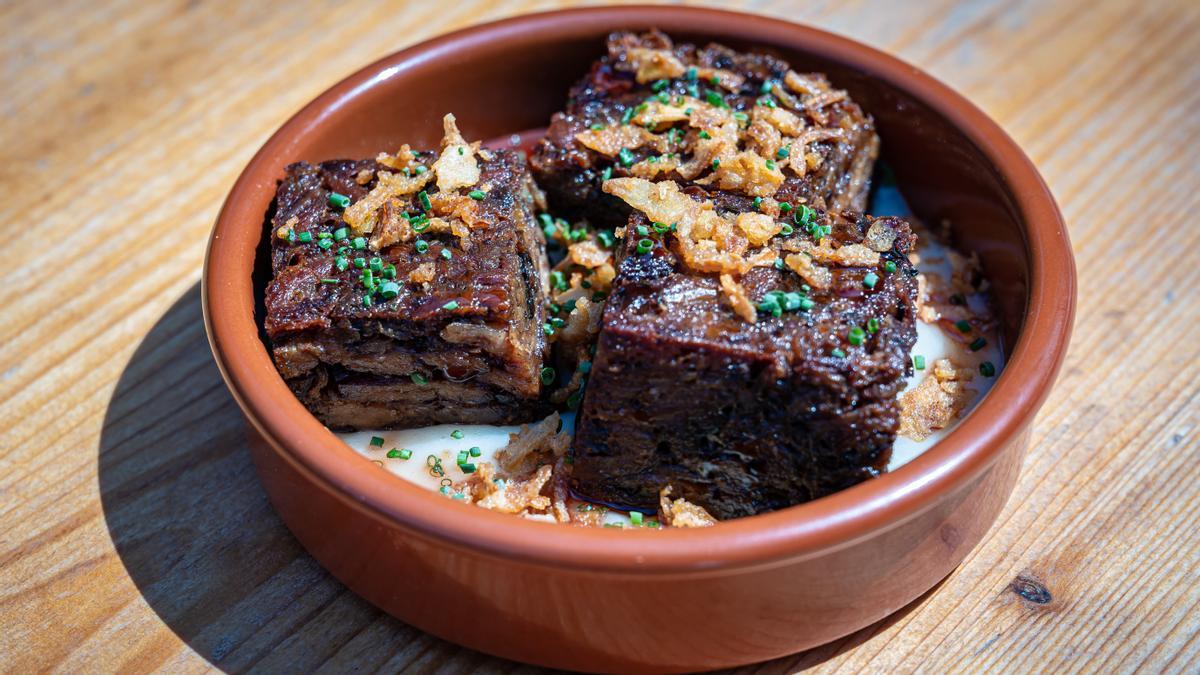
(408, 290)
(749, 360)
(740, 123)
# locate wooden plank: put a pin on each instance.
(137, 538)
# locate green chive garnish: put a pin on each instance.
(304, 237)
(758, 203)
(456, 434)
(548, 375)
(715, 164)
(467, 468)
(450, 306)
(447, 254)
(870, 279)
(341, 234)
(986, 369)
(597, 127)
(714, 99)
(359, 243)
(644, 246)
(704, 134)
(389, 290)
(331, 281)
(635, 518)
(477, 195)
(475, 451)
(978, 344)
(625, 156)
(418, 378)
(918, 362)
(889, 267)
(873, 325)
(325, 244)
(375, 264)
(423, 197)
(421, 246)
(341, 264)
(782, 153)
(338, 201)
(963, 326)
(606, 173)
(691, 74)
(377, 441)
(856, 336)
(838, 353)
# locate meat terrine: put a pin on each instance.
(408, 290)
(751, 361)
(740, 123)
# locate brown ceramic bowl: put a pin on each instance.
(743, 591)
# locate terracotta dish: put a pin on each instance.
(612, 600)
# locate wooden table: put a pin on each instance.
(136, 537)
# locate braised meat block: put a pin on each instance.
(741, 123)
(409, 290)
(753, 389)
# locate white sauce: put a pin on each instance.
(433, 444)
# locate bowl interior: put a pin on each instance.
(950, 161)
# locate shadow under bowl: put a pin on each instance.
(598, 599)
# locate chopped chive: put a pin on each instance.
(324, 235)
(691, 74)
(979, 343)
(419, 170)
(963, 326)
(838, 353)
(782, 153)
(338, 201)
(467, 468)
(784, 207)
(393, 453)
(714, 99)
(889, 267)
(331, 281)
(606, 173)
(704, 134)
(418, 378)
(635, 518)
(341, 234)
(547, 329)
(359, 243)
(918, 362)
(375, 264)
(643, 231)
(377, 441)
(714, 80)
(447, 254)
(625, 156)
(421, 245)
(870, 279)
(475, 451)
(341, 263)
(741, 117)
(463, 457)
(873, 325)
(758, 203)
(423, 197)
(456, 434)
(558, 281)
(477, 195)
(557, 322)
(548, 375)
(389, 290)
(644, 246)
(574, 400)
(770, 165)
(389, 272)
(304, 237)
(419, 225)
(360, 263)
(585, 367)
(779, 263)
(597, 127)
(661, 228)
(628, 116)
(786, 230)
(715, 164)
(325, 244)
(856, 336)
(986, 369)
(450, 306)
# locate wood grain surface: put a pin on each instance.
(135, 535)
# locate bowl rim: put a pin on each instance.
(825, 524)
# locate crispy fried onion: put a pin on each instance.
(457, 167)
(533, 446)
(682, 513)
(363, 214)
(512, 495)
(706, 242)
(937, 401)
(735, 294)
(654, 64)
